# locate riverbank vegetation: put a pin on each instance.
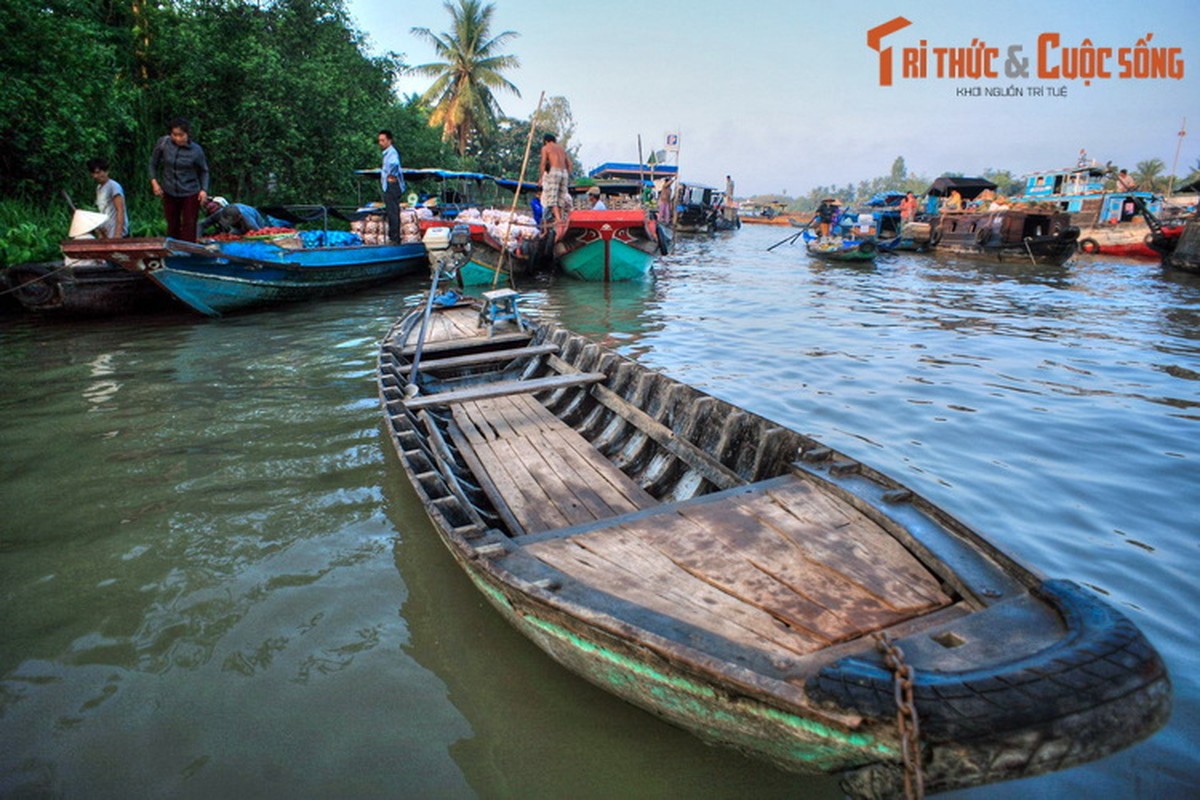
(283, 95)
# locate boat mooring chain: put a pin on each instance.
(906, 716)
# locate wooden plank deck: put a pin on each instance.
(781, 568)
(546, 474)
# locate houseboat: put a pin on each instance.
(1110, 222)
(1007, 234)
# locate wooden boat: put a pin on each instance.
(771, 214)
(488, 263)
(79, 284)
(1184, 254)
(87, 288)
(1032, 235)
(698, 208)
(835, 248)
(611, 245)
(1109, 222)
(219, 277)
(740, 579)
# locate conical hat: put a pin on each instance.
(84, 222)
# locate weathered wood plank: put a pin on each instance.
(713, 470)
(844, 540)
(620, 564)
(479, 359)
(560, 480)
(836, 603)
(501, 388)
(467, 451)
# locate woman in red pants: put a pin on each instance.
(179, 175)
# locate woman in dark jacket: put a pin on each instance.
(179, 175)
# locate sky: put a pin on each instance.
(786, 95)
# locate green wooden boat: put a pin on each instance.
(610, 245)
(742, 580)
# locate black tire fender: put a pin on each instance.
(1102, 657)
(1089, 245)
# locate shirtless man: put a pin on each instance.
(556, 178)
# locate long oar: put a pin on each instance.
(793, 237)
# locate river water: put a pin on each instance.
(216, 581)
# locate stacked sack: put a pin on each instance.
(516, 227)
(373, 229)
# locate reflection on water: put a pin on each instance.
(216, 581)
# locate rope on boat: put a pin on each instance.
(37, 279)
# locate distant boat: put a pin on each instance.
(621, 241)
(1013, 234)
(835, 248)
(484, 203)
(698, 209)
(771, 214)
(224, 276)
(743, 581)
(1110, 222)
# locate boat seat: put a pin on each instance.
(539, 473)
(500, 305)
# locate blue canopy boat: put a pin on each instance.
(216, 278)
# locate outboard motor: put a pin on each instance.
(448, 249)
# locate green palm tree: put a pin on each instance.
(461, 94)
(1147, 174)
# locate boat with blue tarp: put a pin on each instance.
(219, 277)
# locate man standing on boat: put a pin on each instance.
(391, 180)
(556, 180)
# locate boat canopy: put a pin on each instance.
(969, 188)
(634, 171)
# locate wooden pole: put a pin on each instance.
(1175, 163)
(517, 193)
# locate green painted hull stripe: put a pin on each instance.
(808, 726)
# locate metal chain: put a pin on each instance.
(906, 716)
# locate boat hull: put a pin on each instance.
(1186, 252)
(1016, 675)
(238, 277)
(850, 251)
(88, 289)
(1009, 235)
(609, 245)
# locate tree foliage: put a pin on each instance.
(470, 71)
(281, 94)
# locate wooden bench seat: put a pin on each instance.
(484, 391)
(538, 472)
